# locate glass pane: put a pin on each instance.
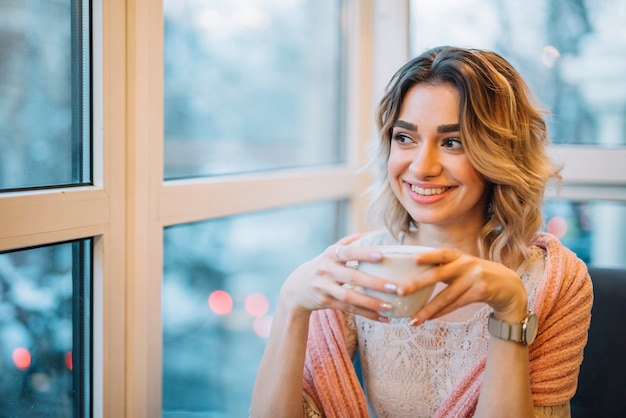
(221, 280)
(45, 323)
(594, 230)
(44, 105)
(571, 52)
(251, 85)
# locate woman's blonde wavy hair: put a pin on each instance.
(504, 135)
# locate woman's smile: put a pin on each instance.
(427, 194)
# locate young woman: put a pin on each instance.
(462, 167)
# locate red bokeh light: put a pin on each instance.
(68, 360)
(21, 358)
(220, 302)
(557, 226)
(262, 326)
(257, 304)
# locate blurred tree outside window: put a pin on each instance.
(45, 331)
(251, 85)
(220, 284)
(44, 106)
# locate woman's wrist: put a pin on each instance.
(516, 312)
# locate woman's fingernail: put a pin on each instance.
(416, 321)
(376, 255)
(383, 319)
(386, 306)
(391, 287)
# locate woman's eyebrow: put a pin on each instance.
(455, 127)
(405, 125)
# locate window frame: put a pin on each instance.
(60, 214)
(153, 204)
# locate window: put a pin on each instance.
(45, 331)
(220, 285)
(557, 46)
(45, 104)
(251, 86)
(253, 110)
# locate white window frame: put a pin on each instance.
(153, 204)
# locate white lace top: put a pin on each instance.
(409, 371)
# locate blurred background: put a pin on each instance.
(245, 154)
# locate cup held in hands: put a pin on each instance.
(398, 265)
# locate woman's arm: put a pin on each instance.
(317, 284)
(278, 387)
(506, 382)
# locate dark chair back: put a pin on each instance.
(601, 389)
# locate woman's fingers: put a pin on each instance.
(351, 275)
(348, 258)
(469, 280)
(438, 256)
(328, 282)
(351, 300)
(344, 253)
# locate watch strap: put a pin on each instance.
(505, 330)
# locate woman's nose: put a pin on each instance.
(426, 162)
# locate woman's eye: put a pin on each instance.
(454, 143)
(401, 138)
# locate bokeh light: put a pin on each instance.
(21, 358)
(557, 226)
(220, 302)
(257, 304)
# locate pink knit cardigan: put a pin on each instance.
(562, 304)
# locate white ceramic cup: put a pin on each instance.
(398, 265)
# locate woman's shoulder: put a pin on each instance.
(563, 272)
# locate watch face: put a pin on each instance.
(529, 330)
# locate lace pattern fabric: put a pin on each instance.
(410, 371)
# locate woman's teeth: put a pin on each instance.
(428, 192)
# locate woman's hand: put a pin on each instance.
(327, 282)
(469, 279)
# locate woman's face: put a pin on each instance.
(429, 171)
